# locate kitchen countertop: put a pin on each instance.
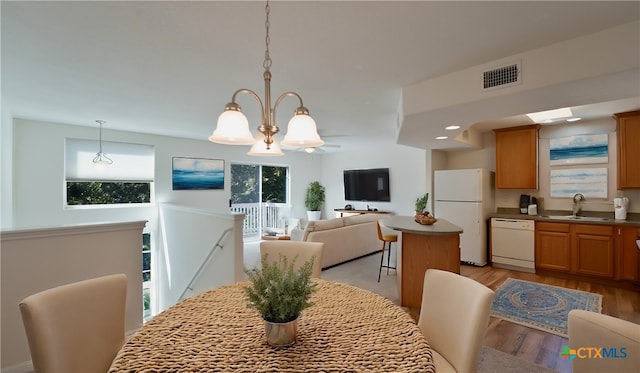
(408, 224)
(633, 219)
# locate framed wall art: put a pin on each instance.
(591, 182)
(579, 149)
(197, 173)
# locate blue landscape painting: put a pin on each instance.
(197, 173)
(580, 149)
(591, 182)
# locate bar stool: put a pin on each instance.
(386, 238)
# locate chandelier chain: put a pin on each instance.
(267, 58)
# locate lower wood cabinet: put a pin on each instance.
(593, 250)
(629, 254)
(585, 249)
(553, 246)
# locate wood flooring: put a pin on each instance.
(540, 347)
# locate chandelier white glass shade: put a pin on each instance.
(101, 159)
(259, 147)
(233, 127)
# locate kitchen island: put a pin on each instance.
(421, 247)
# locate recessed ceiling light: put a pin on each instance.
(451, 128)
(573, 119)
(544, 116)
(442, 137)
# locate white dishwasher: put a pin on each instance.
(512, 244)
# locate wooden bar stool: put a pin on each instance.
(386, 238)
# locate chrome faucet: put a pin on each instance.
(577, 198)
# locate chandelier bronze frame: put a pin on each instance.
(268, 127)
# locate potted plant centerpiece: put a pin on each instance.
(422, 216)
(421, 203)
(314, 199)
(280, 292)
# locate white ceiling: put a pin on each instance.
(170, 67)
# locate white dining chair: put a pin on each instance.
(453, 317)
(619, 337)
(298, 250)
(77, 327)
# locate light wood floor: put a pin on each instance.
(540, 347)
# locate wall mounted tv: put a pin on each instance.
(370, 185)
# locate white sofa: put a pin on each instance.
(344, 239)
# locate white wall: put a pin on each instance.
(38, 180)
(408, 172)
(6, 167)
(553, 76)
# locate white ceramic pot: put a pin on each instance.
(313, 215)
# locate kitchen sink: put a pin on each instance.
(577, 218)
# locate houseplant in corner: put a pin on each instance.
(280, 293)
(314, 200)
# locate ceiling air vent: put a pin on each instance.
(501, 77)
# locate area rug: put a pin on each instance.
(540, 306)
(494, 361)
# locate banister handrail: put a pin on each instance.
(205, 262)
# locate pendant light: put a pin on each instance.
(233, 127)
(101, 159)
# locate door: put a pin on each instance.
(261, 193)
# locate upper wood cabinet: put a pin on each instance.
(628, 133)
(517, 157)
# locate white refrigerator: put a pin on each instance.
(466, 198)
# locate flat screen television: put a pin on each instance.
(370, 185)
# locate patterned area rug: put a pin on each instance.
(539, 306)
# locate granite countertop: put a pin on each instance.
(585, 217)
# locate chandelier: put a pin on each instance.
(233, 127)
(101, 159)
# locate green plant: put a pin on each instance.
(315, 196)
(278, 291)
(421, 202)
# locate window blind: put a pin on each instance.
(131, 162)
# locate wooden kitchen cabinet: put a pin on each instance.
(553, 246)
(584, 249)
(593, 249)
(629, 254)
(628, 133)
(517, 157)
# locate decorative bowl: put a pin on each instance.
(425, 219)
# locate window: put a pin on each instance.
(146, 275)
(261, 193)
(129, 180)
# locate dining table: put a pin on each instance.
(346, 329)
